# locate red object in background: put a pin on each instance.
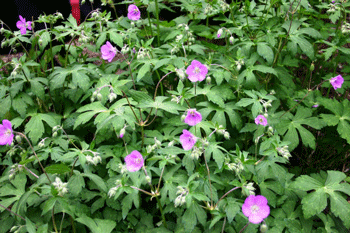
(75, 10)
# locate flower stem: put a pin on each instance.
(36, 156)
(225, 195)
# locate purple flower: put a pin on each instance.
(196, 71)
(193, 117)
(187, 140)
(134, 161)
(133, 12)
(256, 208)
(108, 51)
(337, 81)
(315, 106)
(6, 134)
(261, 120)
(23, 25)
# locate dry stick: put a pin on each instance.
(12, 212)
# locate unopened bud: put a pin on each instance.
(112, 96)
(122, 132)
(312, 67)
(148, 179)
(231, 39)
(99, 96)
(54, 134)
(263, 228)
(183, 117)
(18, 138)
(219, 33)
(208, 79)
(227, 135)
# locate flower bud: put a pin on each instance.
(54, 134)
(99, 96)
(208, 79)
(263, 228)
(312, 67)
(148, 179)
(18, 138)
(183, 117)
(112, 96)
(231, 39)
(2, 30)
(219, 33)
(227, 135)
(122, 132)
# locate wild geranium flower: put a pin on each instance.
(196, 71)
(108, 51)
(187, 140)
(134, 161)
(261, 120)
(193, 117)
(6, 134)
(256, 208)
(133, 12)
(336, 82)
(23, 25)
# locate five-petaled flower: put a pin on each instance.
(261, 120)
(134, 161)
(6, 134)
(193, 117)
(23, 25)
(133, 12)
(256, 208)
(108, 51)
(337, 81)
(187, 140)
(196, 71)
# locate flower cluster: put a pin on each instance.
(284, 152)
(133, 12)
(134, 161)
(187, 140)
(22, 25)
(60, 187)
(256, 208)
(6, 133)
(337, 82)
(181, 199)
(261, 120)
(114, 189)
(95, 159)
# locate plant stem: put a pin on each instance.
(157, 16)
(226, 195)
(25, 137)
(161, 212)
(12, 212)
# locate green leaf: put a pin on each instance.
(143, 70)
(30, 226)
(316, 201)
(57, 169)
(35, 127)
(97, 225)
(76, 184)
(116, 38)
(266, 52)
(98, 181)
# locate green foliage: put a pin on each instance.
(78, 116)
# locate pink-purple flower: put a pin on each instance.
(193, 117)
(133, 12)
(108, 51)
(23, 25)
(196, 71)
(336, 82)
(261, 120)
(134, 161)
(256, 208)
(6, 133)
(187, 140)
